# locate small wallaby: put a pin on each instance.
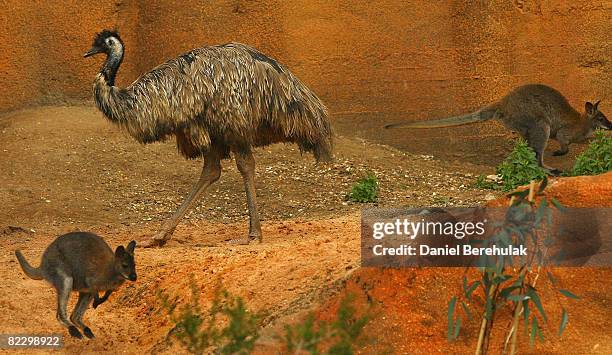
(537, 112)
(82, 262)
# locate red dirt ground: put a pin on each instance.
(65, 169)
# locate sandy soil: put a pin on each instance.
(65, 169)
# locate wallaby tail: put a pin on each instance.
(474, 117)
(32, 272)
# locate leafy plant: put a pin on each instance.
(525, 224)
(365, 190)
(340, 336)
(597, 158)
(482, 183)
(520, 167)
(200, 333)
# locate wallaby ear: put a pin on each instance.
(131, 246)
(595, 105)
(120, 251)
(588, 107)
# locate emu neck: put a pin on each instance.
(111, 66)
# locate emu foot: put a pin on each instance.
(75, 332)
(158, 240)
(88, 333)
(152, 243)
(245, 241)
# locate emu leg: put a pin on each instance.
(210, 173)
(79, 310)
(246, 165)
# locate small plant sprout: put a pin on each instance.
(365, 190)
(340, 336)
(226, 328)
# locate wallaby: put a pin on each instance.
(537, 113)
(82, 262)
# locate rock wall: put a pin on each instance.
(371, 63)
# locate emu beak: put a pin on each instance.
(91, 52)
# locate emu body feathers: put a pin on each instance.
(229, 96)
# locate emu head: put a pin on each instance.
(107, 42)
(598, 119)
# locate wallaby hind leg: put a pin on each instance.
(537, 138)
(63, 286)
(79, 311)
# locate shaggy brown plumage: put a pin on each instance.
(215, 100)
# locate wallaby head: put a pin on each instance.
(596, 117)
(124, 261)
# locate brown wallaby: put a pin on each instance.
(537, 112)
(82, 262)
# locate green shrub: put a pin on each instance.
(520, 167)
(365, 190)
(597, 158)
(340, 336)
(200, 333)
(510, 282)
(484, 184)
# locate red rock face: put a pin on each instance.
(404, 57)
(370, 64)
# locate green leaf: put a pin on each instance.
(543, 185)
(526, 313)
(451, 312)
(558, 205)
(534, 330)
(521, 193)
(471, 289)
(531, 292)
(457, 327)
(540, 334)
(563, 321)
(466, 309)
(568, 294)
(541, 212)
(500, 279)
(517, 298)
(505, 292)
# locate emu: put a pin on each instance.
(216, 100)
